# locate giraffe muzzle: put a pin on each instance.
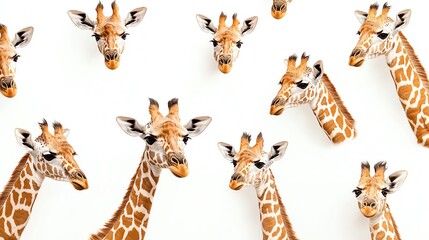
(225, 63)
(79, 181)
(357, 57)
(8, 87)
(369, 208)
(278, 10)
(111, 59)
(236, 182)
(277, 106)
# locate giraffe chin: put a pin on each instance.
(9, 92)
(180, 170)
(79, 184)
(278, 14)
(225, 68)
(277, 110)
(356, 62)
(112, 64)
(368, 212)
(235, 185)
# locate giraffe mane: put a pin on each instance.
(415, 60)
(337, 98)
(109, 224)
(13, 178)
(394, 223)
(285, 217)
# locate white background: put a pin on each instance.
(61, 76)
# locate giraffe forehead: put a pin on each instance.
(110, 28)
(227, 34)
(168, 128)
(372, 183)
(292, 75)
(247, 156)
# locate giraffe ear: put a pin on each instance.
(66, 132)
(277, 151)
(130, 126)
(402, 19)
(395, 180)
(249, 25)
(24, 139)
(206, 24)
(81, 20)
(227, 150)
(318, 71)
(361, 16)
(135, 17)
(23, 37)
(197, 125)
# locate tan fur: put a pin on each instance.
(337, 99)
(397, 235)
(415, 60)
(109, 224)
(13, 178)
(290, 232)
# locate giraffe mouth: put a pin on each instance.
(9, 92)
(236, 185)
(368, 212)
(79, 184)
(356, 63)
(111, 64)
(276, 110)
(180, 170)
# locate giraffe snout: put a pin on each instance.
(369, 207)
(277, 106)
(357, 57)
(111, 59)
(8, 86)
(278, 10)
(370, 203)
(178, 165)
(79, 181)
(237, 181)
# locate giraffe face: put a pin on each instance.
(109, 32)
(53, 156)
(377, 33)
(9, 56)
(371, 192)
(165, 137)
(226, 40)
(279, 8)
(299, 85)
(251, 164)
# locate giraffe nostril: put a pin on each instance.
(275, 101)
(356, 52)
(80, 175)
(236, 177)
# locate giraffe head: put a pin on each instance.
(9, 57)
(226, 40)
(298, 85)
(52, 155)
(109, 32)
(279, 8)
(251, 164)
(377, 33)
(165, 137)
(371, 192)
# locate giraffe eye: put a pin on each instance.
(239, 44)
(97, 36)
(214, 42)
(15, 57)
(384, 191)
(49, 156)
(301, 84)
(124, 35)
(185, 139)
(150, 139)
(234, 162)
(357, 191)
(259, 164)
(382, 35)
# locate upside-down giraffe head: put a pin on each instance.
(109, 32)
(226, 40)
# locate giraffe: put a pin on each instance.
(165, 141)
(9, 57)
(279, 8)
(109, 32)
(301, 84)
(252, 168)
(381, 35)
(226, 40)
(49, 155)
(371, 194)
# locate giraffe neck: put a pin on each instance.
(333, 117)
(274, 220)
(408, 73)
(20, 195)
(131, 219)
(384, 227)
